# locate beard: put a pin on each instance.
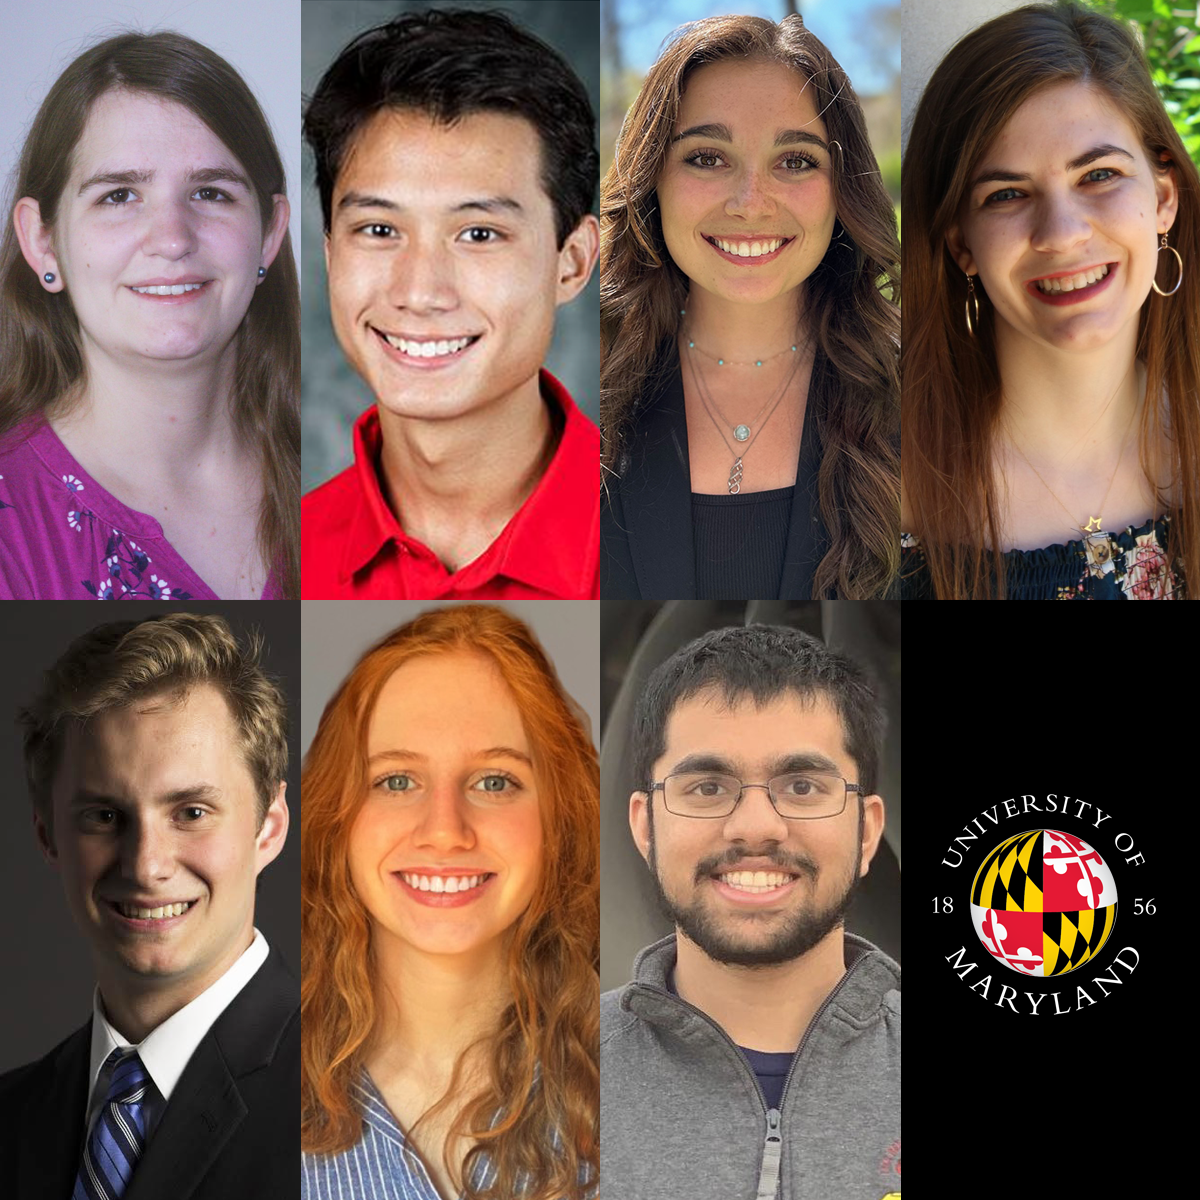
(724, 937)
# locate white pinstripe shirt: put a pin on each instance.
(376, 1167)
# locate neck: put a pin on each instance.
(136, 1007)
(168, 418)
(431, 1008)
(761, 1008)
(467, 475)
(742, 332)
(1056, 405)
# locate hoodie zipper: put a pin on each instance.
(769, 1172)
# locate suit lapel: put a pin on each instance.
(50, 1135)
(807, 540)
(656, 497)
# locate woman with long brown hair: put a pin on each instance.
(450, 923)
(750, 325)
(149, 337)
(1051, 358)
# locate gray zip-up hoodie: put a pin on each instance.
(682, 1116)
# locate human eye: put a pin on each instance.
(799, 163)
(707, 785)
(191, 814)
(1003, 196)
(118, 198)
(706, 160)
(98, 820)
(394, 782)
(497, 785)
(377, 230)
(212, 193)
(481, 235)
(1101, 175)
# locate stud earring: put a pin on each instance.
(261, 272)
(49, 277)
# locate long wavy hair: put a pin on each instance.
(852, 296)
(546, 1139)
(951, 379)
(41, 356)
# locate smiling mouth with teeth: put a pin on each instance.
(432, 348)
(152, 914)
(444, 883)
(1072, 283)
(748, 249)
(168, 289)
(756, 881)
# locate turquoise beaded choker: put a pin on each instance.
(730, 362)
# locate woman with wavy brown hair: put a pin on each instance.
(149, 338)
(750, 327)
(450, 923)
(1051, 357)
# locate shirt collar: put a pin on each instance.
(165, 1050)
(551, 542)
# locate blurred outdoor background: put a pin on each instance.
(863, 35)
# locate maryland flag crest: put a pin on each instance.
(1043, 902)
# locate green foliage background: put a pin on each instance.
(1171, 37)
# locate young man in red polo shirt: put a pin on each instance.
(456, 165)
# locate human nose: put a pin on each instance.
(423, 279)
(1060, 224)
(172, 230)
(147, 853)
(444, 822)
(751, 195)
(755, 819)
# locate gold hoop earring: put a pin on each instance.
(1154, 282)
(971, 299)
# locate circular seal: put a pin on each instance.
(1043, 902)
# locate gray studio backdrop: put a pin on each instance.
(332, 395)
(47, 989)
(638, 635)
(261, 40)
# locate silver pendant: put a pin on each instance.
(735, 478)
(741, 433)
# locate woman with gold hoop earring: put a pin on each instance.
(1050, 401)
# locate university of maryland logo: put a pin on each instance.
(1043, 902)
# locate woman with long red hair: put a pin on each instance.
(450, 923)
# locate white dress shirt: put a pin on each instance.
(166, 1050)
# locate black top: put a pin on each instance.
(739, 543)
(1129, 565)
(648, 543)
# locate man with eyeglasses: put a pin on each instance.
(756, 1053)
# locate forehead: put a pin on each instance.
(174, 739)
(1058, 123)
(755, 98)
(749, 733)
(407, 157)
(134, 129)
(446, 703)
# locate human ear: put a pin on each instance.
(577, 259)
(873, 818)
(1166, 191)
(639, 822)
(37, 245)
(281, 213)
(45, 839)
(959, 250)
(273, 833)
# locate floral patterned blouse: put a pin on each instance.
(63, 537)
(1130, 565)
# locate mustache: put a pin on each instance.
(717, 864)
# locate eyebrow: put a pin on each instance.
(722, 133)
(222, 174)
(488, 204)
(490, 752)
(197, 793)
(791, 764)
(1088, 156)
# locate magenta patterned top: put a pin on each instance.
(63, 537)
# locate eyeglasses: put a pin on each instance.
(804, 796)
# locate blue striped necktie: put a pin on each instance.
(119, 1134)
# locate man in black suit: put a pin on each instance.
(155, 756)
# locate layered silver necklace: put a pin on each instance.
(747, 435)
